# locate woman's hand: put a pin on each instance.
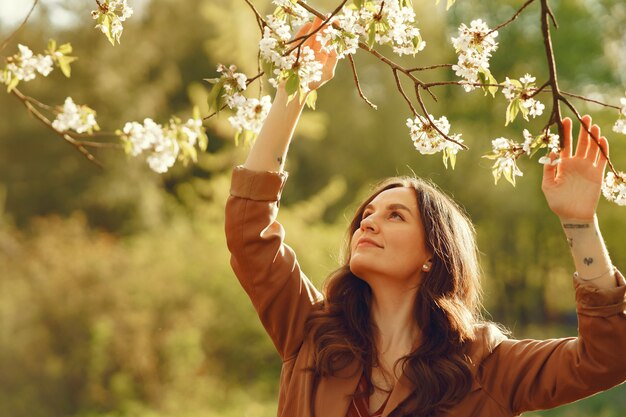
(572, 187)
(327, 59)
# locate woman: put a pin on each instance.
(397, 331)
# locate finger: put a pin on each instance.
(583, 137)
(549, 171)
(566, 152)
(593, 149)
(332, 61)
(602, 161)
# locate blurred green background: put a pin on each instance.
(116, 294)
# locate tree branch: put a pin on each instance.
(15, 32)
(358, 85)
(80, 146)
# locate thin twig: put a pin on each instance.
(590, 100)
(595, 139)
(259, 19)
(358, 85)
(555, 116)
(429, 67)
(7, 40)
(76, 144)
(515, 16)
(540, 89)
(401, 90)
(303, 38)
(431, 121)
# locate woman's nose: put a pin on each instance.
(368, 223)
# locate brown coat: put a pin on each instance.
(510, 376)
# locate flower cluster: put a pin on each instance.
(474, 46)
(300, 63)
(24, 66)
(81, 119)
(614, 187)
(232, 85)
(546, 139)
(250, 115)
(620, 124)
(110, 14)
(381, 22)
(505, 152)
(163, 145)
(520, 97)
(393, 25)
(428, 140)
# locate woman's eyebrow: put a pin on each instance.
(393, 206)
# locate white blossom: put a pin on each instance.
(505, 153)
(545, 160)
(614, 187)
(251, 114)
(164, 154)
(521, 91)
(427, 140)
(234, 84)
(116, 12)
(78, 118)
(474, 47)
(25, 65)
(160, 144)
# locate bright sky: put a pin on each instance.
(13, 11)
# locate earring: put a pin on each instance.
(426, 267)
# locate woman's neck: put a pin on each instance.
(392, 313)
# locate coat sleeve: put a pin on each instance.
(525, 375)
(265, 266)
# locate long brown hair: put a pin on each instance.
(446, 309)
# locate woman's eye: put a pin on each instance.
(396, 215)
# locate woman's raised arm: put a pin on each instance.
(572, 189)
(270, 148)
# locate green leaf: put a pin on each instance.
(523, 109)
(311, 99)
(52, 45)
(105, 21)
(371, 35)
(64, 64)
(203, 141)
(488, 78)
(450, 3)
(13, 83)
(214, 96)
(511, 111)
(452, 159)
(292, 84)
(508, 174)
(66, 48)
(496, 173)
(212, 80)
(237, 134)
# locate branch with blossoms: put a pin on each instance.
(160, 145)
(367, 24)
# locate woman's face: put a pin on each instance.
(391, 240)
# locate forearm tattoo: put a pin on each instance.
(576, 226)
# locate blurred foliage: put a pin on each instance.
(116, 296)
